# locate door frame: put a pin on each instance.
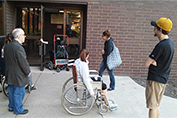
(43, 5)
(42, 36)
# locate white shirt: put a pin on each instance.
(83, 74)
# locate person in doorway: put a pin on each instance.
(108, 48)
(17, 71)
(159, 64)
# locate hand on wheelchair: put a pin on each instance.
(92, 95)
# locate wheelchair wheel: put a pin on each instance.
(75, 101)
(5, 87)
(68, 83)
(103, 109)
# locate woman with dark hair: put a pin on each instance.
(108, 48)
(83, 72)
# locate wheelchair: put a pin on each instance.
(2, 78)
(5, 85)
(76, 99)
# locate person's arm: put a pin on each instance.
(108, 48)
(155, 54)
(150, 61)
(84, 72)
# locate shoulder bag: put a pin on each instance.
(114, 59)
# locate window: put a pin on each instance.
(73, 22)
(31, 20)
(1, 18)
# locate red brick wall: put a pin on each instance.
(129, 24)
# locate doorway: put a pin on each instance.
(45, 22)
(63, 22)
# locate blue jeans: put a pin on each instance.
(16, 95)
(103, 66)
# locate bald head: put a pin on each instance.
(18, 34)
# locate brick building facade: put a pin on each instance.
(129, 24)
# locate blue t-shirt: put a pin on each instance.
(163, 55)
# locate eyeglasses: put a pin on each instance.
(23, 35)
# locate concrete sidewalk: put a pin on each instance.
(45, 102)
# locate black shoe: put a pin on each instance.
(11, 110)
(0, 91)
(25, 111)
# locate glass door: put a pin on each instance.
(31, 23)
(72, 29)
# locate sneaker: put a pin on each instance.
(113, 107)
(109, 89)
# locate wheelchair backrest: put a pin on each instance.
(74, 70)
(95, 84)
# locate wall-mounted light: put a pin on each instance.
(61, 11)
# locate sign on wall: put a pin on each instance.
(57, 18)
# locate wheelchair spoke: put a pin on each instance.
(75, 100)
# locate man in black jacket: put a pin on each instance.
(17, 71)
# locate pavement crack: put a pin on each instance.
(34, 84)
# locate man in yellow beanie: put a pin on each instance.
(159, 63)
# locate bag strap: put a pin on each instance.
(113, 45)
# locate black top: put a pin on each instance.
(108, 48)
(163, 55)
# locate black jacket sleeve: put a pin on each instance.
(108, 48)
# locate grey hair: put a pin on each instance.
(17, 32)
